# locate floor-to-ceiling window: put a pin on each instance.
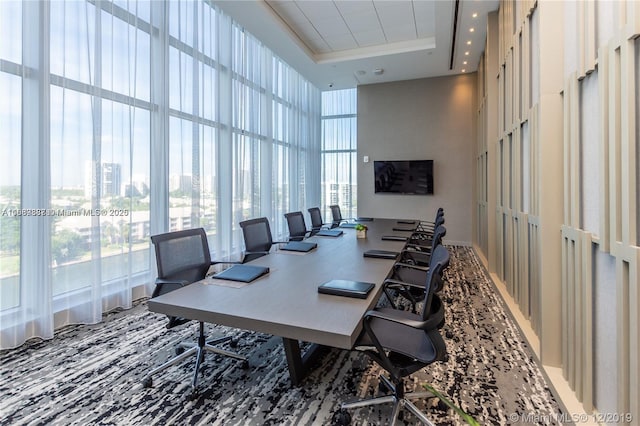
(339, 143)
(11, 71)
(127, 118)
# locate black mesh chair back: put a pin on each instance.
(181, 256)
(257, 238)
(438, 234)
(316, 218)
(297, 227)
(438, 263)
(335, 212)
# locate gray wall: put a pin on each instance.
(427, 119)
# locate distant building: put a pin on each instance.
(111, 176)
(182, 183)
(107, 177)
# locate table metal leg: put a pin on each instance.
(299, 363)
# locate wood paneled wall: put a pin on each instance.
(521, 227)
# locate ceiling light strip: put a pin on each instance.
(455, 31)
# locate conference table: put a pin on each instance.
(286, 303)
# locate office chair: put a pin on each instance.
(408, 275)
(182, 258)
(337, 216)
(297, 227)
(403, 343)
(418, 252)
(424, 232)
(257, 238)
(425, 225)
(316, 220)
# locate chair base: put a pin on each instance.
(398, 398)
(199, 349)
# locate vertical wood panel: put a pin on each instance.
(534, 273)
(577, 315)
(591, 41)
(634, 337)
(572, 156)
(587, 328)
(523, 261)
(580, 8)
(613, 126)
(622, 333)
(535, 165)
(586, 25)
(603, 149)
(627, 141)
(516, 178)
(574, 152)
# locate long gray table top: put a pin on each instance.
(285, 302)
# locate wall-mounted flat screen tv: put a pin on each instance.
(404, 177)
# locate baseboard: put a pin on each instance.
(457, 243)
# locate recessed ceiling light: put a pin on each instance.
(378, 71)
(475, 15)
(463, 70)
(471, 30)
(466, 53)
(464, 63)
(468, 41)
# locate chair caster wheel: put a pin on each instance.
(244, 364)
(233, 343)
(341, 418)
(179, 350)
(193, 395)
(147, 382)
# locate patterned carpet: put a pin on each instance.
(90, 375)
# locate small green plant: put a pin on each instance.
(467, 418)
(361, 227)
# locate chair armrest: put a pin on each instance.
(427, 231)
(162, 284)
(426, 225)
(218, 262)
(390, 282)
(261, 252)
(162, 281)
(418, 248)
(430, 324)
(424, 239)
(410, 266)
(307, 233)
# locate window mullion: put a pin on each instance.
(35, 231)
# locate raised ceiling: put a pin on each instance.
(344, 43)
